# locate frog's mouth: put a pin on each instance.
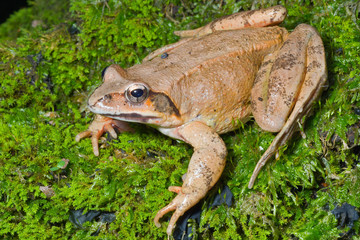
(133, 117)
(128, 116)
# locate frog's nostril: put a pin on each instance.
(107, 97)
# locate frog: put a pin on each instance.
(211, 81)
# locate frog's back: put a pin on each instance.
(210, 77)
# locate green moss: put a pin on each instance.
(54, 66)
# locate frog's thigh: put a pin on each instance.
(288, 76)
(253, 18)
(308, 85)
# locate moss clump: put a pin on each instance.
(54, 66)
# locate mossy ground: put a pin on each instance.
(53, 67)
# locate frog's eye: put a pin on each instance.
(137, 93)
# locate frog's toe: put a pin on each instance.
(98, 131)
(110, 129)
(180, 204)
(173, 221)
(94, 139)
(175, 189)
(99, 126)
(95, 144)
(82, 135)
(170, 207)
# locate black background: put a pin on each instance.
(10, 6)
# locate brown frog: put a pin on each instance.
(208, 82)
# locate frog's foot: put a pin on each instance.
(180, 204)
(254, 18)
(287, 84)
(100, 125)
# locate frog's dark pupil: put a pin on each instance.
(137, 93)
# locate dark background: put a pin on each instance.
(9, 7)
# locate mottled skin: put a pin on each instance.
(207, 83)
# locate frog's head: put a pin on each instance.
(132, 101)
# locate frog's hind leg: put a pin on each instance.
(287, 84)
(253, 18)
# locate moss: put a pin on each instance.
(54, 66)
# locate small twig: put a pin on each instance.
(105, 4)
(168, 15)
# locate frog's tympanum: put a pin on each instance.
(204, 85)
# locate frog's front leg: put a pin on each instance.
(99, 126)
(288, 82)
(205, 168)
